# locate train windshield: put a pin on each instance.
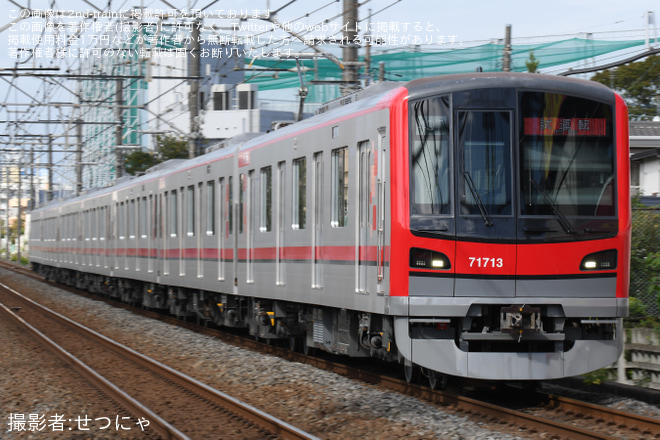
(566, 157)
(503, 164)
(431, 157)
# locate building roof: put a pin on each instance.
(644, 135)
(645, 154)
(645, 128)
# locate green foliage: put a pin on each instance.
(532, 64)
(644, 250)
(637, 309)
(168, 148)
(139, 161)
(598, 377)
(638, 83)
(643, 381)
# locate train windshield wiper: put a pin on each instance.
(438, 231)
(475, 195)
(563, 221)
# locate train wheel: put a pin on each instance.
(437, 381)
(306, 349)
(294, 343)
(410, 371)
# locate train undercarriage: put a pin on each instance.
(487, 329)
(304, 327)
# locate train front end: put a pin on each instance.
(510, 226)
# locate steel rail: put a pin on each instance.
(242, 409)
(614, 416)
(460, 403)
(469, 405)
(163, 428)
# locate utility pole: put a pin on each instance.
(119, 129)
(19, 198)
(32, 194)
(193, 99)
(350, 50)
(49, 197)
(367, 56)
(79, 152)
(7, 233)
(506, 60)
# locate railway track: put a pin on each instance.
(549, 415)
(170, 403)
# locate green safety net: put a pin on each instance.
(281, 73)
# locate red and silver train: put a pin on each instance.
(474, 225)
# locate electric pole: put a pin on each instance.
(119, 128)
(193, 100)
(350, 50)
(506, 60)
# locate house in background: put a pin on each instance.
(645, 160)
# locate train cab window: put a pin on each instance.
(484, 142)
(299, 193)
(190, 211)
(266, 223)
(339, 189)
(431, 160)
(566, 157)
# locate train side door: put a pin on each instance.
(280, 223)
(317, 221)
(379, 208)
(366, 258)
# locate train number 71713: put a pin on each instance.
(486, 262)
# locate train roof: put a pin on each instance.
(371, 98)
(533, 81)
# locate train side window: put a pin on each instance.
(87, 224)
(122, 221)
(230, 203)
(210, 207)
(241, 202)
(131, 219)
(144, 230)
(190, 211)
(102, 224)
(339, 187)
(266, 199)
(95, 223)
(299, 193)
(173, 209)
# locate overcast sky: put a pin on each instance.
(468, 20)
(484, 20)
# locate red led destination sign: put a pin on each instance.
(565, 126)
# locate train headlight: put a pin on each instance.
(427, 259)
(604, 260)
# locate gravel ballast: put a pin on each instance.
(322, 403)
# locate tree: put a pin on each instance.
(532, 64)
(168, 147)
(638, 83)
(139, 161)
